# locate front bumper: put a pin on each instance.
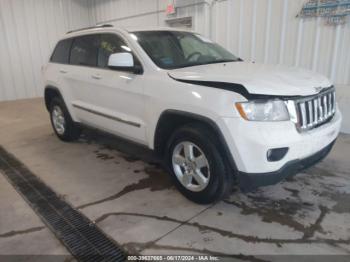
(249, 142)
(251, 181)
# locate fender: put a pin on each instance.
(195, 117)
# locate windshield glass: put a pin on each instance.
(172, 49)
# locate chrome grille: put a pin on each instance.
(315, 110)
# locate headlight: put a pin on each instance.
(263, 110)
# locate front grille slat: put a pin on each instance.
(325, 104)
(311, 113)
(315, 110)
(320, 108)
(329, 97)
(303, 115)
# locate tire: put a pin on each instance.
(65, 128)
(218, 182)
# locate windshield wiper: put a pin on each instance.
(205, 63)
(222, 61)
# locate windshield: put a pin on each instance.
(172, 49)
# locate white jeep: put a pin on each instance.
(214, 118)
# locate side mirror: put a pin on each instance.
(121, 61)
(124, 62)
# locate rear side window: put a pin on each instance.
(61, 52)
(84, 50)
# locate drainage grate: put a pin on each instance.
(81, 237)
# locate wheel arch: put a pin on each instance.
(171, 119)
(50, 93)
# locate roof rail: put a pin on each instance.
(91, 27)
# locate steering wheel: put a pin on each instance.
(190, 56)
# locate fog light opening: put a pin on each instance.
(276, 154)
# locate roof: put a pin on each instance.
(152, 28)
(127, 29)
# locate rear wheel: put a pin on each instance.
(197, 166)
(61, 121)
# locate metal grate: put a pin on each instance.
(81, 237)
(315, 110)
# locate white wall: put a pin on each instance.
(28, 31)
(265, 31)
(125, 12)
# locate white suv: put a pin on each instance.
(215, 119)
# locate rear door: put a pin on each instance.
(83, 63)
(57, 71)
(107, 99)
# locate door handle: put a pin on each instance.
(96, 76)
(63, 71)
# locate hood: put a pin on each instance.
(257, 79)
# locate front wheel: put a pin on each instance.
(197, 166)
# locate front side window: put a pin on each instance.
(61, 53)
(84, 50)
(173, 49)
(110, 44)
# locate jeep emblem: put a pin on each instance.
(318, 89)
